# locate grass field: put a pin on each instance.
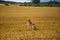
(13, 23)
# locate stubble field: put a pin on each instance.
(13, 23)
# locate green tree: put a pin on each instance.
(25, 4)
(1, 1)
(35, 1)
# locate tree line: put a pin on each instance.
(33, 3)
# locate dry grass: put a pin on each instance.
(13, 20)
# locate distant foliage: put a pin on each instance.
(35, 3)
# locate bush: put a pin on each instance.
(6, 4)
(36, 5)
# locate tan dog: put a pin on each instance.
(30, 24)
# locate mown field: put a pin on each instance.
(13, 23)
